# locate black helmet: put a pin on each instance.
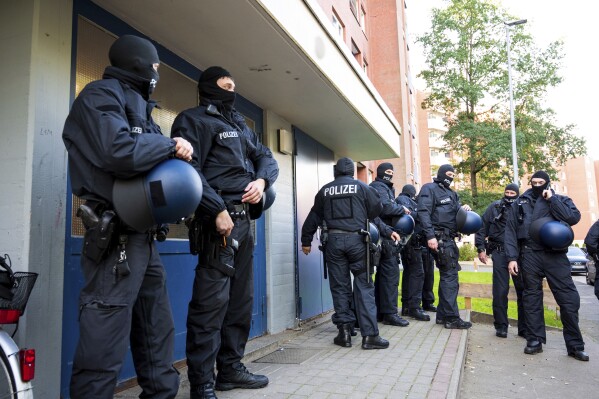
(268, 198)
(404, 224)
(551, 233)
(169, 192)
(468, 222)
(375, 236)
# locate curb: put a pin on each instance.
(458, 366)
(448, 377)
(485, 318)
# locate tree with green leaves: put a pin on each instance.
(467, 77)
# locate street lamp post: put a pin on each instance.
(509, 73)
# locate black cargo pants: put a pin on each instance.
(501, 287)
(447, 261)
(117, 311)
(534, 265)
(386, 282)
(346, 253)
(412, 279)
(220, 310)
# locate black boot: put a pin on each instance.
(457, 323)
(374, 342)
(418, 314)
(579, 354)
(204, 391)
(533, 347)
(237, 376)
(501, 332)
(395, 320)
(344, 336)
(429, 308)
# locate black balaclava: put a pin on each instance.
(136, 55)
(442, 176)
(381, 175)
(538, 190)
(344, 167)
(210, 90)
(409, 190)
(512, 187)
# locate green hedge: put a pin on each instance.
(468, 252)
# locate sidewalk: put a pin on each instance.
(498, 368)
(424, 360)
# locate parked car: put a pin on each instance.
(578, 260)
(591, 273)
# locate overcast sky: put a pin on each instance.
(576, 22)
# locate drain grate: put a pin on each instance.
(288, 356)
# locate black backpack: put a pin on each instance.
(7, 278)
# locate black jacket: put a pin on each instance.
(387, 195)
(227, 154)
(592, 239)
(527, 209)
(437, 209)
(109, 133)
(493, 228)
(345, 204)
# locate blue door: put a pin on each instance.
(178, 262)
(312, 159)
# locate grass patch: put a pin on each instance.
(483, 305)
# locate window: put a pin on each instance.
(363, 19)
(356, 51)
(434, 135)
(353, 6)
(338, 25)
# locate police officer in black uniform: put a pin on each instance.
(235, 169)
(412, 279)
(535, 262)
(110, 134)
(489, 241)
(438, 206)
(592, 244)
(387, 273)
(345, 204)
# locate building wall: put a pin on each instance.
(577, 180)
(35, 39)
(353, 31)
(389, 72)
(280, 235)
(425, 155)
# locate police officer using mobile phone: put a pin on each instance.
(529, 254)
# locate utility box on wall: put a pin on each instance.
(285, 142)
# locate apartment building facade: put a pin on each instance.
(309, 93)
(577, 179)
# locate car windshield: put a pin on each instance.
(575, 251)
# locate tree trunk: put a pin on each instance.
(473, 185)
